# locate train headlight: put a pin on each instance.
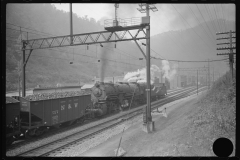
(97, 92)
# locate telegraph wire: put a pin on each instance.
(122, 51)
(32, 29)
(219, 15)
(211, 18)
(200, 23)
(192, 29)
(170, 38)
(191, 61)
(217, 18)
(205, 22)
(224, 18)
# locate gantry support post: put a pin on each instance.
(148, 124)
(23, 70)
(197, 82)
(71, 25)
(149, 117)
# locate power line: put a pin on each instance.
(200, 22)
(205, 22)
(217, 18)
(25, 31)
(190, 61)
(174, 40)
(224, 18)
(211, 18)
(32, 29)
(191, 27)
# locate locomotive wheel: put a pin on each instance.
(9, 141)
(134, 104)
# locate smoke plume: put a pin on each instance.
(167, 71)
(140, 75)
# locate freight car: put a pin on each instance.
(40, 112)
(12, 120)
(109, 97)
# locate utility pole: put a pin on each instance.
(148, 67)
(23, 71)
(177, 73)
(19, 78)
(230, 48)
(197, 82)
(213, 75)
(71, 25)
(148, 124)
(208, 75)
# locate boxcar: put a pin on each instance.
(38, 116)
(12, 120)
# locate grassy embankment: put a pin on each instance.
(216, 114)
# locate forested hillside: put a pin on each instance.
(51, 66)
(48, 67)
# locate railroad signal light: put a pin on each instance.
(99, 60)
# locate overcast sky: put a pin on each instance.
(168, 17)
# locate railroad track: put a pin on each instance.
(66, 128)
(68, 141)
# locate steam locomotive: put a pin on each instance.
(109, 97)
(34, 114)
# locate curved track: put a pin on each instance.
(66, 128)
(56, 146)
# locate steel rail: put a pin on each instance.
(52, 146)
(66, 128)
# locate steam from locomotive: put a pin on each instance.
(140, 75)
(168, 72)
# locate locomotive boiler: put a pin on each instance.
(109, 97)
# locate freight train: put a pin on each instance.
(34, 114)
